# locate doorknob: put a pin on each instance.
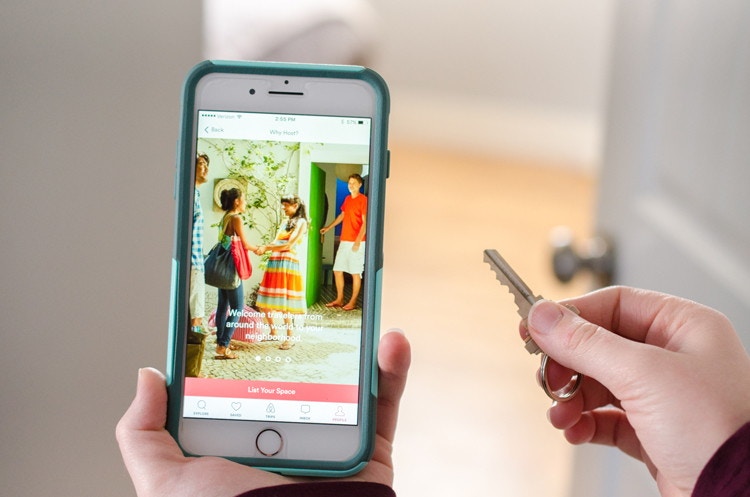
(595, 255)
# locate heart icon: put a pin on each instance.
(236, 405)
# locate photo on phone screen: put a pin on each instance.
(281, 179)
(279, 347)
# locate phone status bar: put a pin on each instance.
(284, 127)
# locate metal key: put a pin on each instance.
(524, 299)
(522, 294)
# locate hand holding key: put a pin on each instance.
(524, 299)
(667, 380)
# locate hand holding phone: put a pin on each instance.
(264, 370)
(158, 467)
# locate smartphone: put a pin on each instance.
(275, 372)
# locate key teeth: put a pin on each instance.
(516, 297)
(522, 304)
(531, 346)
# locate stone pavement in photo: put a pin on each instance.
(325, 351)
(329, 359)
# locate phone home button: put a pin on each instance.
(269, 442)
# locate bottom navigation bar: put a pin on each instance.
(291, 411)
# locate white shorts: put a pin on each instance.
(197, 301)
(349, 261)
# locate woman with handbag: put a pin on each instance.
(281, 295)
(231, 301)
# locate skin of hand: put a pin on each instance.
(158, 467)
(667, 380)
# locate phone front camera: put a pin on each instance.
(252, 91)
(286, 81)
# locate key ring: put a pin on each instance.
(565, 393)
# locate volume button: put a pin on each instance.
(176, 168)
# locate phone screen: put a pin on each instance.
(293, 350)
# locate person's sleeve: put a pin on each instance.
(727, 473)
(324, 489)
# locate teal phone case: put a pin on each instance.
(371, 288)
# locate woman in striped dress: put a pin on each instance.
(281, 296)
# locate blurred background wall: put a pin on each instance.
(502, 77)
(89, 108)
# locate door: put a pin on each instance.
(317, 215)
(676, 171)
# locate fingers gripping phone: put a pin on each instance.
(283, 164)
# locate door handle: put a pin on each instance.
(596, 255)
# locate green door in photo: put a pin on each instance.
(317, 215)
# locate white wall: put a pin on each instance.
(504, 76)
(89, 99)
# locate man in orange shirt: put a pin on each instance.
(350, 257)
